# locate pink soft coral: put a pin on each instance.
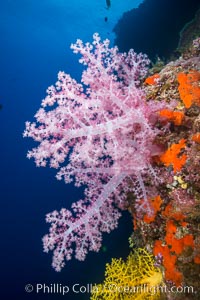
(104, 127)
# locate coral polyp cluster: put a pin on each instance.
(173, 230)
(132, 137)
(171, 233)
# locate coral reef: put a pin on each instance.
(173, 231)
(133, 139)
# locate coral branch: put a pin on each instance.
(103, 130)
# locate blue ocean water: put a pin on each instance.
(35, 40)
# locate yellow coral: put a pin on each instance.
(137, 278)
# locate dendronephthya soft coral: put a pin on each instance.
(103, 130)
